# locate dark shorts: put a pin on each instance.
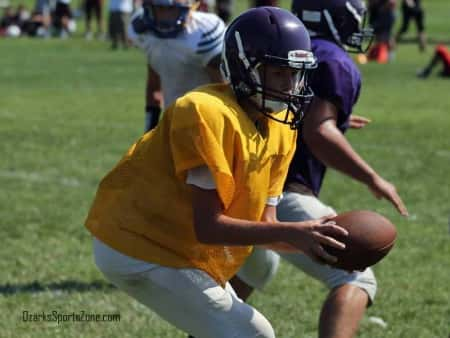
(415, 14)
(93, 6)
(62, 10)
(118, 21)
(382, 21)
(259, 3)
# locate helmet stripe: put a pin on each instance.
(211, 40)
(210, 47)
(240, 47)
(354, 12)
(206, 34)
(225, 69)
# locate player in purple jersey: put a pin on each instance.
(335, 27)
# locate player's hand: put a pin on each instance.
(384, 189)
(358, 122)
(310, 236)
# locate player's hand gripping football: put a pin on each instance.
(310, 236)
(384, 189)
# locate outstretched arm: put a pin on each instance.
(331, 147)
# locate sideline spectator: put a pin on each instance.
(8, 20)
(119, 16)
(22, 15)
(412, 9)
(63, 21)
(40, 21)
(12, 23)
(93, 7)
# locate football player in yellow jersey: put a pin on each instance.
(178, 215)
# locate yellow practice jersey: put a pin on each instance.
(143, 207)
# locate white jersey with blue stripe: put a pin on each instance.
(181, 61)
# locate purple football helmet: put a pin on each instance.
(342, 21)
(269, 36)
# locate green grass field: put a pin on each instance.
(68, 111)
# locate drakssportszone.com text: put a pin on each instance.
(62, 317)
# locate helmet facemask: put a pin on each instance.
(361, 38)
(270, 101)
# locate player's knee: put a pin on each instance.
(263, 327)
(258, 326)
(243, 321)
(296, 207)
(365, 280)
(259, 268)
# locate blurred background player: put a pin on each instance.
(334, 27)
(119, 17)
(182, 46)
(382, 20)
(441, 55)
(93, 8)
(411, 9)
(220, 154)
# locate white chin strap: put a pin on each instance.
(274, 106)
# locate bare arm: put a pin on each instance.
(153, 89)
(270, 215)
(331, 147)
(213, 227)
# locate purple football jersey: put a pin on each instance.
(338, 80)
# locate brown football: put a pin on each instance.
(371, 237)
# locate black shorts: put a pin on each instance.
(415, 14)
(93, 6)
(62, 9)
